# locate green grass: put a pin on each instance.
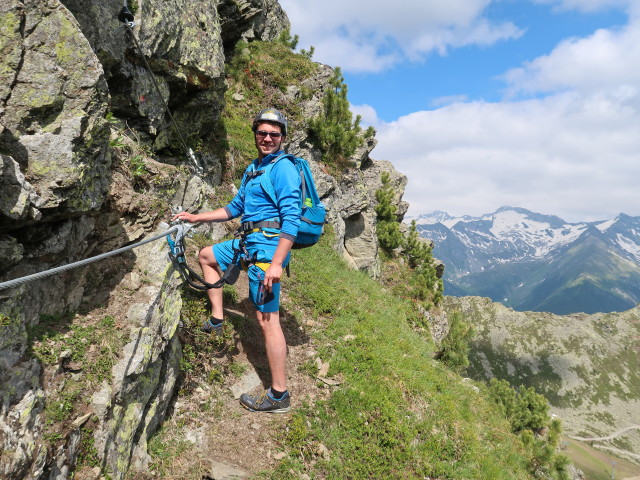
(596, 464)
(260, 72)
(55, 335)
(398, 413)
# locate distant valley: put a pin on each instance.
(587, 366)
(534, 262)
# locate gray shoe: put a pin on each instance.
(215, 329)
(266, 403)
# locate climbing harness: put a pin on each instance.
(36, 276)
(177, 248)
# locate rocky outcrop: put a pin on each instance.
(52, 133)
(55, 170)
(350, 197)
(129, 408)
(79, 115)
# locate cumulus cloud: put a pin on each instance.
(566, 154)
(381, 34)
(605, 60)
(563, 141)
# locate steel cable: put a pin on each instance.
(53, 271)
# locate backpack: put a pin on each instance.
(313, 213)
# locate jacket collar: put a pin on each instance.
(269, 158)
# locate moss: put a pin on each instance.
(66, 48)
(9, 22)
(25, 414)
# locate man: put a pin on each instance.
(270, 228)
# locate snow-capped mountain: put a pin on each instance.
(539, 262)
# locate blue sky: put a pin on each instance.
(487, 103)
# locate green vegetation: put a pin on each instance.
(528, 413)
(199, 349)
(92, 349)
(425, 284)
(292, 42)
(335, 132)
(397, 413)
(88, 348)
(258, 75)
(87, 452)
(165, 448)
(421, 282)
(388, 227)
(455, 346)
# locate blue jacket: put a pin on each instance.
(254, 204)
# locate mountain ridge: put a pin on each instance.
(532, 261)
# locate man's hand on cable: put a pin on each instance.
(184, 216)
(218, 215)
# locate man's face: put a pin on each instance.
(266, 144)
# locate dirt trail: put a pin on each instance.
(228, 436)
(608, 437)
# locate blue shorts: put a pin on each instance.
(262, 248)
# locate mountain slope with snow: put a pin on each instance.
(530, 261)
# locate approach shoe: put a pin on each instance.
(266, 403)
(213, 328)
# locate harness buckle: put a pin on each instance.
(246, 226)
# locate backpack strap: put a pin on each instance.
(265, 180)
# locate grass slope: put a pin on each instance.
(397, 413)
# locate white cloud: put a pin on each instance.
(574, 152)
(591, 6)
(448, 100)
(368, 115)
(605, 60)
(569, 155)
(375, 36)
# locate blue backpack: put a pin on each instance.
(313, 215)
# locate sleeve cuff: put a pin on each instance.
(288, 236)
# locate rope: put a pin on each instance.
(63, 268)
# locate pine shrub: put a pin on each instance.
(335, 133)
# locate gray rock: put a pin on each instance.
(11, 252)
(248, 382)
(53, 117)
(221, 471)
(18, 197)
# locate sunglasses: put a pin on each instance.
(264, 134)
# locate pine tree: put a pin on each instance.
(388, 227)
(455, 346)
(336, 133)
(425, 284)
(417, 250)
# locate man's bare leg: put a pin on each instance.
(276, 347)
(211, 272)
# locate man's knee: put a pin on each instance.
(207, 257)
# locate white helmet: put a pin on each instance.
(270, 115)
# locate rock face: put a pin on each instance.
(53, 101)
(68, 192)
